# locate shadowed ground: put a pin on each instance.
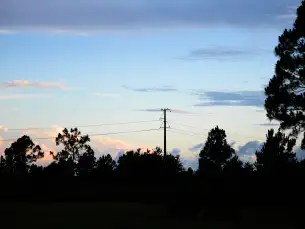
(107, 215)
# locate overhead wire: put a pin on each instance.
(171, 129)
(186, 125)
(93, 135)
(192, 135)
(187, 131)
(83, 126)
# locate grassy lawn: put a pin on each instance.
(102, 215)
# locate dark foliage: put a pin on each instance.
(74, 145)
(216, 152)
(277, 153)
(21, 154)
(104, 168)
(286, 90)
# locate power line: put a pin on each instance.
(84, 126)
(189, 132)
(174, 130)
(192, 135)
(93, 135)
(185, 125)
(125, 132)
(185, 134)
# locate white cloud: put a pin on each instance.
(191, 161)
(175, 152)
(196, 148)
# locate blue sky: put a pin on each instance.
(92, 62)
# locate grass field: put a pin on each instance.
(104, 215)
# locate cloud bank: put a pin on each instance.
(237, 98)
(268, 124)
(95, 16)
(151, 89)
(224, 53)
(197, 147)
(247, 151)
(175, 152)
(178, 111)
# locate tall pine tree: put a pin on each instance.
(286, 90)
(216, 152)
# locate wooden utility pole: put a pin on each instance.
(164, 126)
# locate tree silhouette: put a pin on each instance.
(105, 167)
(276, 154)
(75, 149)
(21, 154)
(234, 166)
(86, 164)
(74, 145)
(173, 165)
(129, 165)
(216, 152)
(149, 166)
(36, 171)
(286, 90)
(2, 165)
(248, 168)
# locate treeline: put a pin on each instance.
(77, 159)
(222, 180)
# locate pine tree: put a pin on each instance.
(286, 90)
(216, 152)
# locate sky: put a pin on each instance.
(88, 62)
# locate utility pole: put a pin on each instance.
(164, 126)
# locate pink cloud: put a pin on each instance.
(3, 129)
(28, 84)
(114, 146)
(38, 132)
(99, 144)
(1, 146)
(55, 131)
(24, 96)
(104, 143)
(48, 158)
(253, 157)
(10, 109)
(4, 145)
